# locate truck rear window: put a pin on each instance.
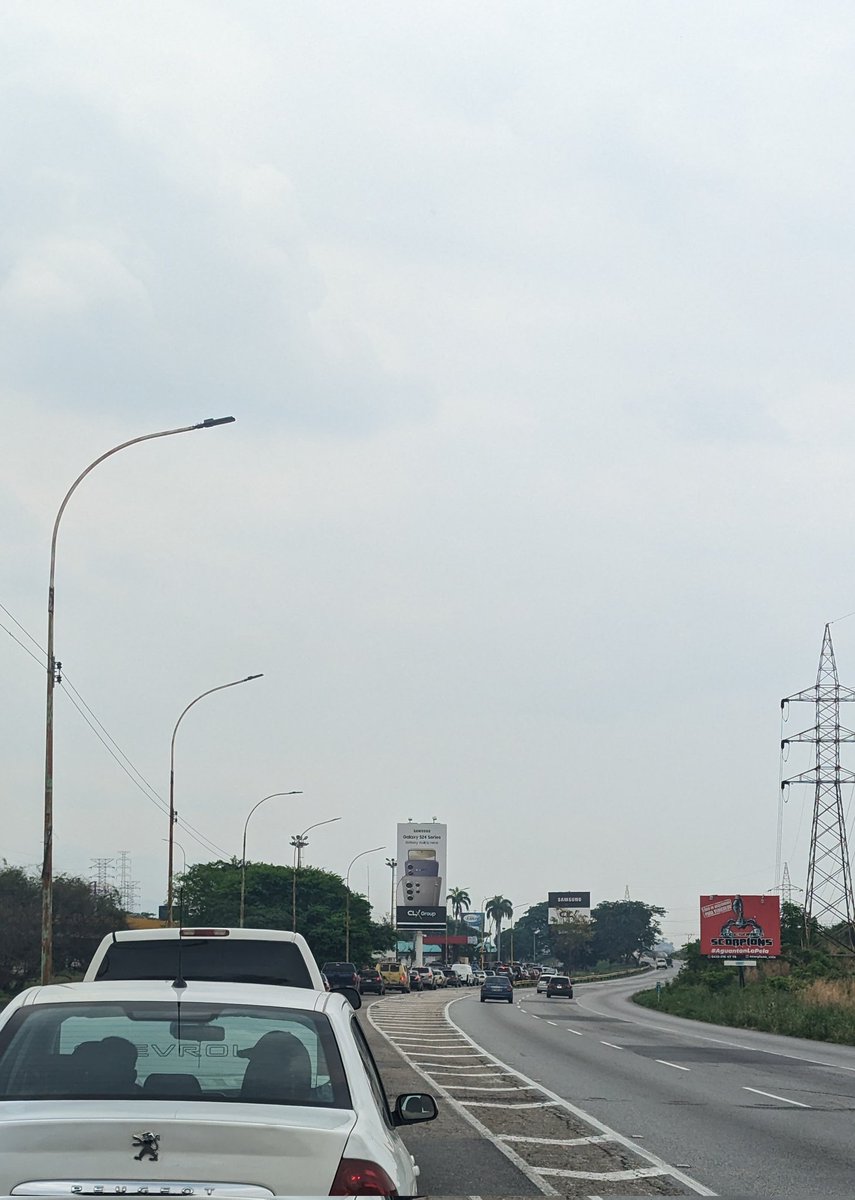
(237, 960)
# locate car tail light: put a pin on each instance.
(359, 1177)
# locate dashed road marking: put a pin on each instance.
(578, 1032)
(613, 1046)
(594, 1140)
(676, 1066)
(772, 1096)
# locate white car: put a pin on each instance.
(141, 1088)
(542, 980)
(237, 955)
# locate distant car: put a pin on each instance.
(341, 974)
(279, 1093)
(370, 980)
(498, 987)
(395, 975)
(559, 985)
(438, 977)
(479, 976)
(542, 984)
(452, 979)
(416, 982)
(661, 964)
(428, 981)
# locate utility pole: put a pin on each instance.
(828, 894)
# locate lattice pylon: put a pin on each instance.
(828, 894)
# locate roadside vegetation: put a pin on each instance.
(808, 992)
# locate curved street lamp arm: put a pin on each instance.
(47, 858)
(246, 824)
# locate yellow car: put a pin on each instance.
(395, 976)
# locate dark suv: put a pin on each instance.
(560, 985)
(341, 974)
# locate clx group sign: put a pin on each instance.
(741, 926)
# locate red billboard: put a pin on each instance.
(741, 926)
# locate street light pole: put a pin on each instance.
(54, 676)
(392, 864)
(173, 816)
(243, 848)
(347, 899)
(299, 841)
(184, 859)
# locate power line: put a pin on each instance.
(147, 790)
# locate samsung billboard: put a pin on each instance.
(420, 890)
(560, 905)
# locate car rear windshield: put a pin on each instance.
(501, 981)
(239, 960)
(351, 967)
(167, 1051)
(559, 979)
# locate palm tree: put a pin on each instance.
(497, 908)
(459, 900)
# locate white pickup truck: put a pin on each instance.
(236, 955)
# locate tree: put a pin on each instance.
(81, 919)
(460, 902)
(497, 908)
(571, 939)
(526, 945)
(625, 927)
(209, 894)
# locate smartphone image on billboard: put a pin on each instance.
(421, 866)
(418, 855)
(422, 890)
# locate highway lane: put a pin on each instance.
(745, 1114)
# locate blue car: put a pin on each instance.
(497, 987)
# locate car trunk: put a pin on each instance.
(287, 1150)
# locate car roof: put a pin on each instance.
(253, 995)
(214, 931)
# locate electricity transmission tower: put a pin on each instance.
(786, 886)
(102, 872)
(828, 895)
(127, 888)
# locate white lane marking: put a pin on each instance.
(578, 1032)
(594, 1140)
(772, 1096)
(613, 1046)
(654, 1159)
(468, 1073)
(542, 1185)
(604, 1176)
(467, 1088)
(504, 1104)
(676, 1066)
(676, 1031)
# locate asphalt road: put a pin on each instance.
(742, 1114)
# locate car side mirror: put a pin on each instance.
(414, 1107)
(351, 995)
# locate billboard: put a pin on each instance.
(474, 919)
(420, 890)
(561, 904)
(738, 926)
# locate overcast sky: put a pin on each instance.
(536, 320)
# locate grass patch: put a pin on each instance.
(822, 1010)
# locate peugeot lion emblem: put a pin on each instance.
(147, 1143)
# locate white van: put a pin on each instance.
(463, 971)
